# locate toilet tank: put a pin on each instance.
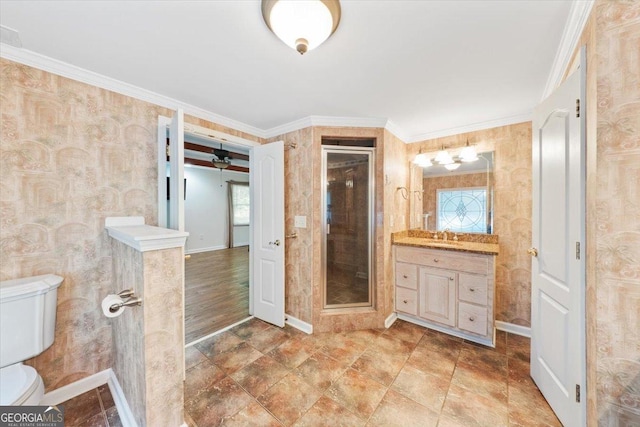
(27, 317)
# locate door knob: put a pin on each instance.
(533, 252)
(277, 243)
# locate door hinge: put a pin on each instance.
(577, 250)
(578, 107)
(578, 393)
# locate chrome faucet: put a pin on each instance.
(445, 237)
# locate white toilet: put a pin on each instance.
(27, 325)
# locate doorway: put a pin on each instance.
(267, 204)
(348, 203)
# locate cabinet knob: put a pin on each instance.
(451, 278)
(472, 289)
(405, 276)
(405, 301)
(472, 319)
(436, 260)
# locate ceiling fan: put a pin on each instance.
(221, 158)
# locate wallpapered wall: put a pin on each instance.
(512, 206)
(71, 155)
(303, 257)
(612, 40)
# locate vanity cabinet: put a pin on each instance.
(450, 291)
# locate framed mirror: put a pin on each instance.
(460, 200)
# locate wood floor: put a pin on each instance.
(216, 291)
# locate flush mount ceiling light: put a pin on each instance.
(302, 24)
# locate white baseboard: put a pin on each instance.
(217, 332)
(294, 322)
(69, 391)
(390, 320)
(91, 382)
(513, 329)
(124, 411)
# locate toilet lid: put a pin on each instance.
(17, 382)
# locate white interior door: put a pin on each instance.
(266, 183)
(558, 288)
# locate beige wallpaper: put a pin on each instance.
(303, 197)
(299, 200)
(512, 217)
(147, 362)
(128, 329)
(613, 197)
(71, 155)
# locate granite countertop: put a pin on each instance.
(467, 242)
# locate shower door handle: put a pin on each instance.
(328, 228)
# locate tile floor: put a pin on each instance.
(95, 408)
(259, 375)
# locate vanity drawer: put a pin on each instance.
(472, 288)
(472, 318)
(407, 275)
(407, 301)
(441, 258)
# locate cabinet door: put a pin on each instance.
(438, 295)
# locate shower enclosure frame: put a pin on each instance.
(371, 161)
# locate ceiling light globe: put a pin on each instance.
(302, 24)
(469, 154)
(422, 160)
(443, 157)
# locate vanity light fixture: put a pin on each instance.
(452, 166)
(302, 24)
(422, 160)
(468, 153)
(443, 157)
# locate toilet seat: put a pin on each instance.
(20, 385)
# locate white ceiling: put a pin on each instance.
(427, 66)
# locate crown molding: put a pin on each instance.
(329, 121)
(67, 70)
(578, 16)
(64, 69)
(504, 121)
(397, 131)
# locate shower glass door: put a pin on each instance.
(348, 225)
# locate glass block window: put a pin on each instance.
(462, 210)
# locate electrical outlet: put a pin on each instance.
(300, 222)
